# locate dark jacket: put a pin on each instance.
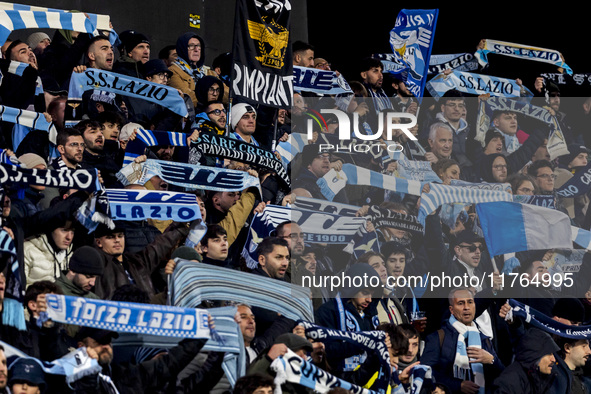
(441, 357)
(149, 375)
(565, 383)
(108, 162)
(140, 265)
(59, 58)
(523, 375)
(70, 289)
(328, 316)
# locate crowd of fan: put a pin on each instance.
(131, 261)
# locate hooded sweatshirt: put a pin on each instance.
(523, 375)
(185, 75)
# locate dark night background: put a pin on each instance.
(343, 32)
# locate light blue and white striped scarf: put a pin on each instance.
(30, 119)
(444, 194)
(416, 170)
(475, 84)
(30, 17)
(333, 182)
(12, 312)
(108, 81)
(463, 368)
(73, 366)
(294, 145)
(146, 138)
(192, 283)
(520, 51)
(581, 237)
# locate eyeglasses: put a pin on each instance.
(194, 46)
(162, 75)
(472, 248)
(218, 112)
(77, 145)
(214, 90)
(500, 166)
(295, 236)
(547, 176)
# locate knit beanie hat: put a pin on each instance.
(87, 260)
(238, 110)
(30, 160)
(130, 39)
(34, 39)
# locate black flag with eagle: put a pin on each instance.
(262, 56)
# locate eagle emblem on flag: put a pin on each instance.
(272, 41)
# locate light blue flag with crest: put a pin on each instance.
(411, 41)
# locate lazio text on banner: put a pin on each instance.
(72, 179)
(521, 52)
(523, 227)
(411, 40)
(437, 63)
(578, 185)
(458, 61)
(107, 81)
(473, 84)
(319, 81)
(128, 316)
(144, 204)
(556, 141)
(262, 58)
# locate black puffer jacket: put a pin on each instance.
(523, 375)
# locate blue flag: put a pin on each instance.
(411, 41)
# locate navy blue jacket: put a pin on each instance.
(441, 358)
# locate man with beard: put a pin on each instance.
(372, 78)
(135, 268)
(103, 155)
(70, 146)
(132, 378)
(402, 101)
(216, 118)
(293, 234)
(86, 265)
